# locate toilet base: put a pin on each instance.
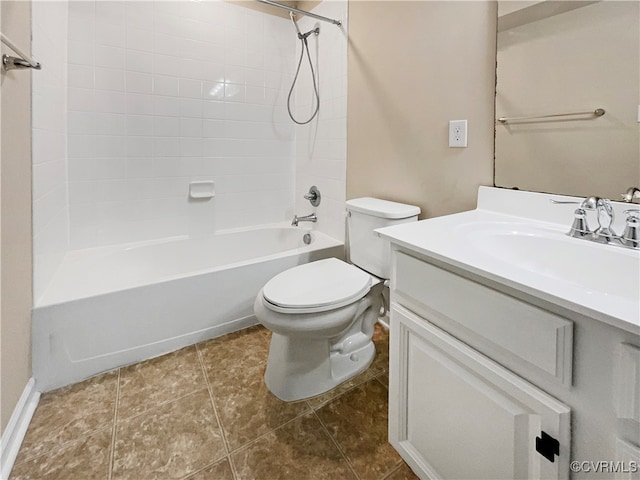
(292, 376)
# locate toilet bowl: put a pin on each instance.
(322, 314)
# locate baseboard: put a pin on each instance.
(17, 428)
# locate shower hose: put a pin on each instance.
(305, 47)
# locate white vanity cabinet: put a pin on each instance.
(459, 415)
(482, 381)
(514, 349)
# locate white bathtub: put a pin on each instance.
(111, 306)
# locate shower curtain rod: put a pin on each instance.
(301, 12)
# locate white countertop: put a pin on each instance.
(602, 281)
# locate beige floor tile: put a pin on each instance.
(381, 341)
(403, 473)
(69, 413)
(235, 367)
(153, 382)
(218, 471)
(169, 441)
(320, 400)
(384, 379)
(243, 352)
(85, 459)
(299, 450)
(358, 422)
(247, 409)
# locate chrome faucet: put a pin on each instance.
(630, 194)
(605, 215)
(307, 218)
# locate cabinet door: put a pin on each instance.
(455, 414)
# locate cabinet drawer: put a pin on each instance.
(517, 330)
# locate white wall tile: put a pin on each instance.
(139, 61)
(109, 79)
(109, 57)
(190, 88)
(137, 38)
(156, 86)
(139, 82)
(140, 125)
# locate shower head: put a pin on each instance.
(295, 24)
(303, 36)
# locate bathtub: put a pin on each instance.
(112, 306)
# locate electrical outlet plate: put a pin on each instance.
(458, 133)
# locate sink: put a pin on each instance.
(518, 240)
(542, 250)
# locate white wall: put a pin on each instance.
(321, 146)
(50, 213)
(164, 93)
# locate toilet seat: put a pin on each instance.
(316, 287)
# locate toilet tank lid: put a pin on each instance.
(382, 208)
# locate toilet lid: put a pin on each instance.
(329, 282)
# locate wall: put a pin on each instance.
(321, 146)
(576, 61)
(16, 297)
(164, 93)
(50, 196)
(405, 86)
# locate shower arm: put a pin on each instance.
(295, 24)
(301, 12)
(303, 36)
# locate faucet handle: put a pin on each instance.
(631, 235)
(313, 196)
(579, 227)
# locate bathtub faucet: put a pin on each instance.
(307, 218)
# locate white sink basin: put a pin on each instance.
(599, 269)
(518, 240)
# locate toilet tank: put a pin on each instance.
(367, 250)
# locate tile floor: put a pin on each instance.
(204, 413)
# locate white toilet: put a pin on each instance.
(322, 314)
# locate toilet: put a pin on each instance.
(322, 314)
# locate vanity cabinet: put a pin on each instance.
(459, 415)
(514, 349)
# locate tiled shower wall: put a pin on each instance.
(49, 117)
(136, 99)
(165, 93)
(321, 146)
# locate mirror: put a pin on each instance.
(559, 58)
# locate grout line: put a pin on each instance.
(194, 473)
(156, 406)
(379, 379)
(63, 446)
(215, 412)
(114, 428)
(335, 442)
(323, 404)
(393, 470)
(260, 437)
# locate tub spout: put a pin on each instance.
(307, 218)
